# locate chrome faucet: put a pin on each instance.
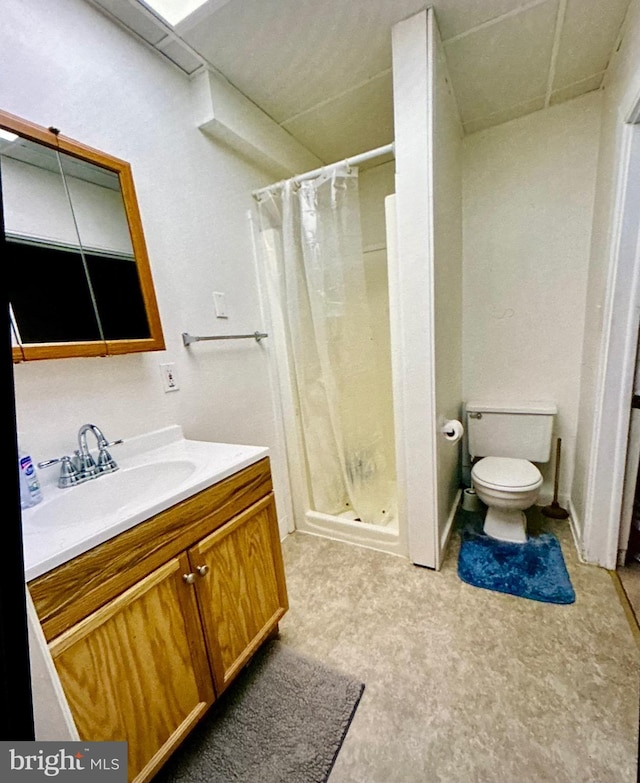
(83, 466)
(87, 466)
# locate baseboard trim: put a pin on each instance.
(446, 533)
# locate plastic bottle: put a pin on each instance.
(30, 492)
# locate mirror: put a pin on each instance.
(80, 282)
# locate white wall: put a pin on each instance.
(528, 203)
(64, 64)
(622, 84)
(374, 185)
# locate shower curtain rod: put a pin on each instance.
(353, 161)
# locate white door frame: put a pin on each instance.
(612, 412)
(629, 489)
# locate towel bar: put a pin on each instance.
(187, 339)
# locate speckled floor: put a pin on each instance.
(465, 685)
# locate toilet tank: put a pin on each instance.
(517, 430)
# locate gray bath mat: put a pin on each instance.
(282, 721)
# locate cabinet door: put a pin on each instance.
(241, 592)
(136, 669)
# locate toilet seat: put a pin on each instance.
(506, 473)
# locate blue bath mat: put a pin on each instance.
(534, 570)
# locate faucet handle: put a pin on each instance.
(47, 463)
(105, 462)
(69, 474)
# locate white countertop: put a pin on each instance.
(156, 471)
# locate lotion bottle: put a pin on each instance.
(30, 492)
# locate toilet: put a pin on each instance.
(504, 442)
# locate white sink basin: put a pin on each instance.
(113, 494)
(156, 471)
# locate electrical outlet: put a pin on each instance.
(220, 304)
(169, 379)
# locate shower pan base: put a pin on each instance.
(383, 538)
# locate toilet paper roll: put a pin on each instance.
(452, 430)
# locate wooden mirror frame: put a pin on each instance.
(60, 350)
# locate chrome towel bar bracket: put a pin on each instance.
(187, 339)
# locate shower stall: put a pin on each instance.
(367, 332)
(328, 291)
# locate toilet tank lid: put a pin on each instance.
(531, 407)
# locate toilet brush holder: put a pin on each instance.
(470, 501)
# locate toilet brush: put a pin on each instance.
(555, 510)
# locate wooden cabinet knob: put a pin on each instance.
(202, 570)
(189, 578)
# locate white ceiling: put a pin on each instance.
(322, 68)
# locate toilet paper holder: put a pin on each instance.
(452, 430)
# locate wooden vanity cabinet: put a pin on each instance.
(137, 668)
(142, 657)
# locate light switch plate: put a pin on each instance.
(169, 379)
(220, 304)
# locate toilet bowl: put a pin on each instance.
(507, 486)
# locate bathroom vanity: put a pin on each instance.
(150, 625)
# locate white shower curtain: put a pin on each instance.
(311, 244)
